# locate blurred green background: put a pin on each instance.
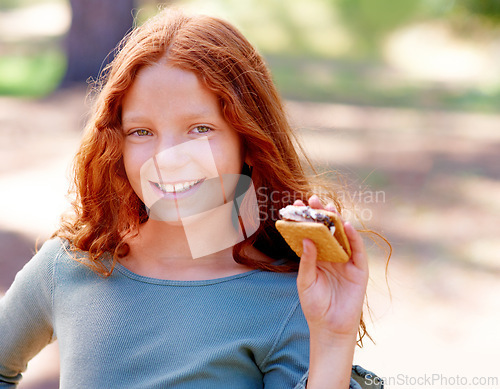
(410, 53)
(400, 96)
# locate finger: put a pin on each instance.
(298, 203)
(307, 267)
(331, 207)
(315, 202)
(359, 256)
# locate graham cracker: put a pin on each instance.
(330, 248)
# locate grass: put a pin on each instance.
(345, 81)
(297, 78)
(31, 75)
(299, 70)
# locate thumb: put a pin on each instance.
(307, 267)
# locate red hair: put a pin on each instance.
(106, 207)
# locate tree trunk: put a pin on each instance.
(97, 27)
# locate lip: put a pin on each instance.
(180, 194)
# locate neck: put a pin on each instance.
(168, 240)
(163, 250)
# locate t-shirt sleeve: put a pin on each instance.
(26, 314)
(364, 379)
(285, 366)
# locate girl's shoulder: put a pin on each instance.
(36, 280)
(49, 253)
(53, 251)
(54, 246)
(58, 256)
(275, 281)
(268, 289)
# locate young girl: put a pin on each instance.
(171, 272)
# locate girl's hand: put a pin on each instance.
(332, 294)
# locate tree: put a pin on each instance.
(370, 21)
(487, 10)
(97, 27)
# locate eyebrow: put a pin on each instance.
(138, 118)
(199, 114)
(132, 118)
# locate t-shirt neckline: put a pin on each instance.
(159, 281)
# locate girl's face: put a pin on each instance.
(180, 155)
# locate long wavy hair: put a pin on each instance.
(105, 205)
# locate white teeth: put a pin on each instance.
(176, 188)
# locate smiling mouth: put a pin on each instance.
(178, 187)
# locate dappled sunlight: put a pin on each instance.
(310, 26)
(438, 211)
(438, 321)
(416, 168)
(35, 21)
(439, 173)
(482, 192)
(430, 52)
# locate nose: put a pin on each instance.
(170, 153)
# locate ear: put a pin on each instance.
(246, 170)
(248, 160)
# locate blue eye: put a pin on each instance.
(202, 129)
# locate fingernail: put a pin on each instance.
(305, 247)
